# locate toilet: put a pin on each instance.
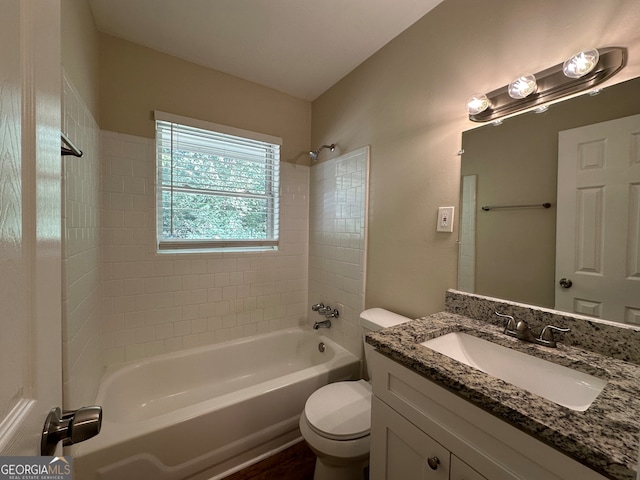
(336, 420)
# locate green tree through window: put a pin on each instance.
(215, 189)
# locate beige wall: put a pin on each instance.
(80, 51)
(407, 102)
(136, 80)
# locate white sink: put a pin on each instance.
(571, 388)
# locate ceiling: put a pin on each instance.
(299, 47)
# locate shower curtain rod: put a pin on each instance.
(70, 148)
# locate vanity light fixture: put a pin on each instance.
(581, 63)
(523, 86)
(478, 102)
(582, 71)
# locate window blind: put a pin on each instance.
(216, 189)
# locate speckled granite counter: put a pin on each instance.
(604, 437)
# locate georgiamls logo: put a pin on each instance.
(59, 466)
(35, 468)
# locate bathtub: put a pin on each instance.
(207, 412)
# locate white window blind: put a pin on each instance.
(216, 189)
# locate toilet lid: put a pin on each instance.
(340, 411)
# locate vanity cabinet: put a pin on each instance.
(414, 420)
(403, 451)
(462, 471)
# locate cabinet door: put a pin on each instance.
(462, 471)
(400, 450)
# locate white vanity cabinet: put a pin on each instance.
(414, 420)
(462, 471)
(403, 451)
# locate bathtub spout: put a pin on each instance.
(323, 324)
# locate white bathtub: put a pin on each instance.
(207, 412)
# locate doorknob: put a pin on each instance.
(70, 426)
(565, 282)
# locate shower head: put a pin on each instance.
(314, 154)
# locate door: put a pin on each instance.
(30, 310)
(598, 223)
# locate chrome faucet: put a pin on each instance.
(331, 313)
(521, 331)
(510, 327)
(320, 308)
(546, 336)
(327, 311)
(324, 324)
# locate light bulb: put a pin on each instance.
(477, 103)
(523, 86)
(581, 63)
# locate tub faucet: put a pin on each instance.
(332, 313)
(321, 309)
(324, 324)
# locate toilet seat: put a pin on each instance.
(340, 411)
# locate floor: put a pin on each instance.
(295, 463)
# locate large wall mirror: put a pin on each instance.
(510, 252)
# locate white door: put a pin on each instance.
(598, 223)
(30, 346)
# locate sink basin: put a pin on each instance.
(571, 388)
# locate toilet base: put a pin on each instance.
(344, 471)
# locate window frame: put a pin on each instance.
(212, 245)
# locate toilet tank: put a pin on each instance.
(375, 319)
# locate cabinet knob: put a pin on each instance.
(433, 462)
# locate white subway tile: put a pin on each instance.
(176, 296)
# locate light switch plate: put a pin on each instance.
(445, 219)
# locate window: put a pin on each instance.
(217, 186)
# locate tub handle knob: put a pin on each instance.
(70, 426)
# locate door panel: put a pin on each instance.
(598, 223)
(30, 346)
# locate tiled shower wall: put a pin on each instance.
(154, 303)
(81, 330)
(467, 252)
(337, 242)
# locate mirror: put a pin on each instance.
(510, 253)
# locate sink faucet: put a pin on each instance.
(510, 327)
(546, 336)
(521, 331)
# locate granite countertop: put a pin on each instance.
(604, 437)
